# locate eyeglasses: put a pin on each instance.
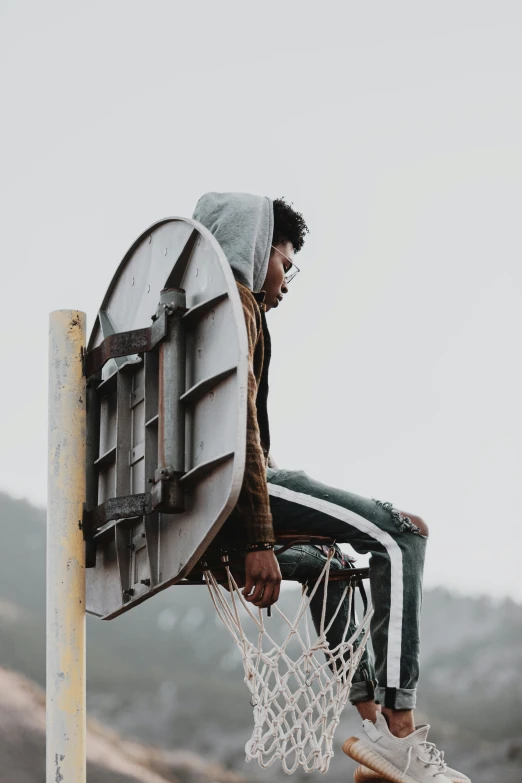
(292, 269)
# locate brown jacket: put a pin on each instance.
(251, 519)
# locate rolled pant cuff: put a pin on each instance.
(364, 690)
(396, 698)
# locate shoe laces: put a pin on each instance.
(433, 756)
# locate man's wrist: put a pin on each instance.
(260, 546)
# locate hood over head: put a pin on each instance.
(243, 224)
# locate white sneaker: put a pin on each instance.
(410, 759)
(366, 775)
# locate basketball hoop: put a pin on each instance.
(299, 686)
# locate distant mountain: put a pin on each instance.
(167, 672)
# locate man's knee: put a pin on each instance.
(420, 523)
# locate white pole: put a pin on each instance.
(66, 722)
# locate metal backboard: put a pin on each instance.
(141, 554)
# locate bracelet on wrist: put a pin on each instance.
(259, 547)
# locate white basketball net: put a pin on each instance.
(298, 687)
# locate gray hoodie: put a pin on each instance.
(243, 224)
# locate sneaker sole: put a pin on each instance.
(358, 751)
(364, 774)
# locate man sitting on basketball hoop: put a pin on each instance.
(260, 237)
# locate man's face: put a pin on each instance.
(274, 285)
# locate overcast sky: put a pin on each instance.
(395, 127)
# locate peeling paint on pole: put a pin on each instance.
(66, 726)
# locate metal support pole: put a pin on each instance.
(66, 722)
(167, 493)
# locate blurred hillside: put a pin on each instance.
(110, 759)
(167, 673)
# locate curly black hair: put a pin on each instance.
(289, 225)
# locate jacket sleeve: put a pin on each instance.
(254, 505)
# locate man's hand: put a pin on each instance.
(263, 578)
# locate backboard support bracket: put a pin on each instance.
(129, 343)
(167, 493)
